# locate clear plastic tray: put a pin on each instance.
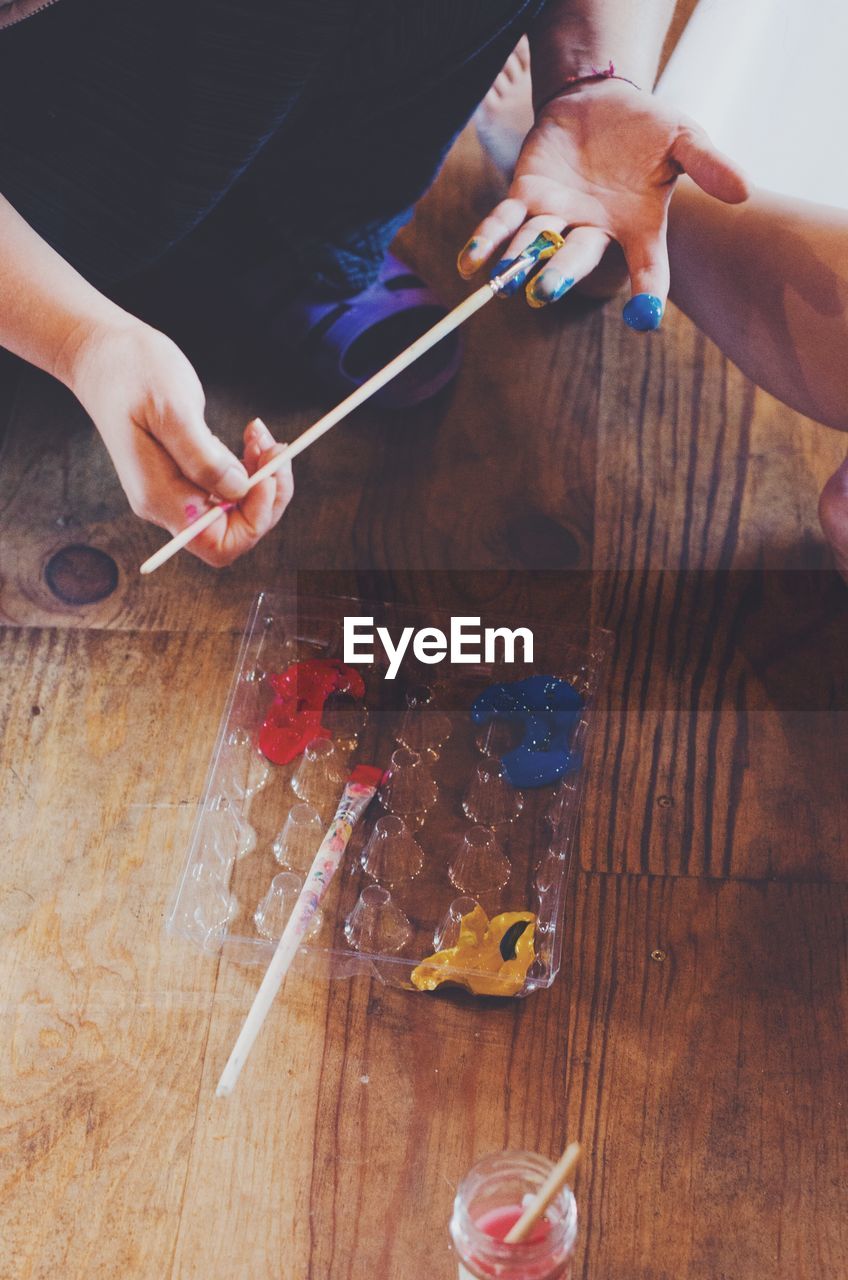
(230, 861)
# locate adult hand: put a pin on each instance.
(602, 161)
(148, 405)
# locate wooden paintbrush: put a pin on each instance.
(358, 794)
(545, 244)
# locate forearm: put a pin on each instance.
(572, 36)
(768, 282)
(46, 307)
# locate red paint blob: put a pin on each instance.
(294, 718)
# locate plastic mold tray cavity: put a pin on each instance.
(446, 826)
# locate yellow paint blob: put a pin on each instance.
(485, 961)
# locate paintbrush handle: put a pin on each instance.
(402, 361)
(281, 961)
(355, 799)
(326, 862)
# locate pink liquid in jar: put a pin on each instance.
(490, 1199)
(498, 1223)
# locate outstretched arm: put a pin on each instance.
(141, 392)
(768, 282)
(569, 39)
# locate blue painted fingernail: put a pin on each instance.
(515, 283)
(548, 286)
(643, 312)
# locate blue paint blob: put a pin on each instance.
(549, 709)
(643, 312)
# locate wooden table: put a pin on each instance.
(696, 1038)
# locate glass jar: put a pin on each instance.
(489, 1201)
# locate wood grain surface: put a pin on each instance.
(695, 1040)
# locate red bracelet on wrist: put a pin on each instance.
(593, 76)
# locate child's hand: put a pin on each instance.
(148, 405)
(602, 160)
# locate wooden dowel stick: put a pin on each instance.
(553, 1184)
(402, 361)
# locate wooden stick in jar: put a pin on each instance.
(550, 1188)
